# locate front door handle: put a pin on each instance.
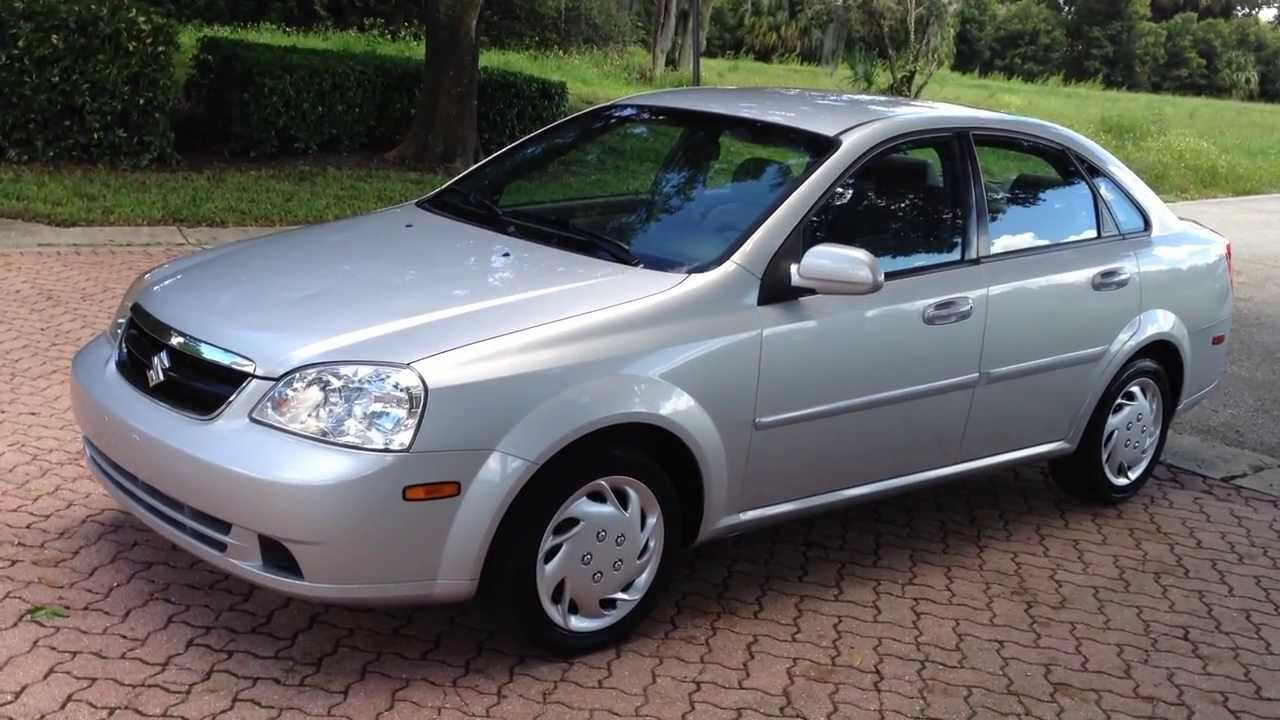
(946, 312)
(1111, 279)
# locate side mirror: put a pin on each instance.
(832, 269)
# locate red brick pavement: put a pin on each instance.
(992, 597)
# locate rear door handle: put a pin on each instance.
(1111, 279)
(946, 312)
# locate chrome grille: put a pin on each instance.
(162, 363)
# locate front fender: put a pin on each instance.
(1151, 326)
(617, 400)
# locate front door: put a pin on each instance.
(855, 389)
(1063, 287)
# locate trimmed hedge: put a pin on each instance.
(503, 23)
(297, 13)
(85, 80)
(259, 99)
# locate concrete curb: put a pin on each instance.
(1266, 482)
(1223, 462)
(1264, 196)
(17, 234)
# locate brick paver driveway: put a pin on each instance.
(996, 596)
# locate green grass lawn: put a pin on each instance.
(1183, 147)
(212, 196)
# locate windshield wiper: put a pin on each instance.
(561, 228)
(612, 247)
(472, 200)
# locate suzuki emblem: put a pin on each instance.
(159, 363)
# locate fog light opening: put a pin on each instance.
(277, 559)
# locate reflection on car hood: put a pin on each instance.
(394, 286)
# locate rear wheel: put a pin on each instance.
(586, 550)
(1125, 436)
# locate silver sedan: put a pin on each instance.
(661, 321)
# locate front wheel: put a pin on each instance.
(1122, 443)
(586, 550)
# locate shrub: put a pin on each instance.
(1150, 55)
(1184, 69)
(558, 24)
(1031, 37)
(726, 29)
(1269, 69)
(776, 37)
(513, 104)
(296, 13)
(1228, 51)
(975, 21)
(1102, 37)
(914, 39)
(1262, 42)
(259, 99)
(87, 81)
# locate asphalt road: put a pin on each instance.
(1245, 410)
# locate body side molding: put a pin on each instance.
(770, 514)
(1056, 362)
(867, 402)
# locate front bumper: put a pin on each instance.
(218, 487)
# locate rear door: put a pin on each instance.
(1062, 286)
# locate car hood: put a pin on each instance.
(394, 286)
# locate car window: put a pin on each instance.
(1128, 217)
(1036, 196)
(660, 188)
(906, 206)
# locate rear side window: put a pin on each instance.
(906, 206)
(1036, 196)
(1128, 217)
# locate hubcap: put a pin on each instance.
(1133, 428)
(599, 554)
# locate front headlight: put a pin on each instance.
(375, 407)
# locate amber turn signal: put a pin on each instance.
(431, 491)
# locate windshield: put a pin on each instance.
(665, 189)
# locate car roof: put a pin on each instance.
(821, 111)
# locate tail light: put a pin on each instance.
(1231, 273)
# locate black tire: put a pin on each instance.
(1082, 474)
(511, 582)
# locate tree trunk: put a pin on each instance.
(684, 51)
(833, 42)
(444, 131)
(664, 33)
(706, 6)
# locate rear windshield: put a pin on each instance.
(666, 189)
